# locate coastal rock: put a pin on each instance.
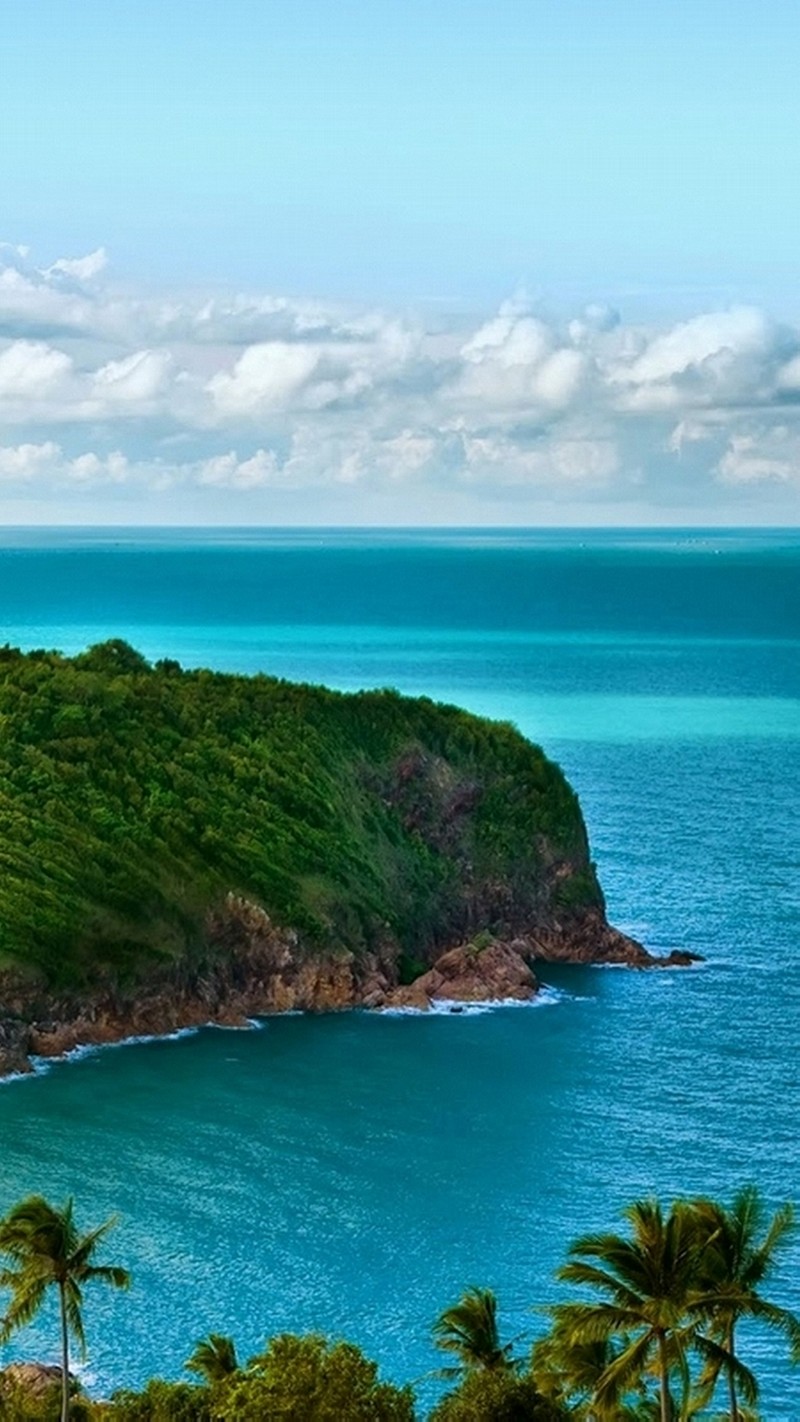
(14, 1045)
(495, 973)
(36, 1381)
(590, 939)
(252, 968)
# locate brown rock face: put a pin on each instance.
(34, 1380)
(496, 973)
(14, 1046)
(590, 939)
(253, 968)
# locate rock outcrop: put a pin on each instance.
(498, 972)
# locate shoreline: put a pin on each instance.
(412, 1001)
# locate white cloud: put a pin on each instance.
(31, 370)
(242, 392)
(509, 341)
(21, 462)
(718, 358)
(556, 463)
(228, 471)
(559, 377)
(81, 268)
(48, 465)
(689, 345)
(266, 377)
(766, 455)
(137, 379)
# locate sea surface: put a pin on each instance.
(354, 1173)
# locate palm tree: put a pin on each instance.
(214, 1358)
(567, 1372)
(741, 1248)
(46, 1251)
(469, 1329)
(648, 1281)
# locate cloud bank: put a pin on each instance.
(250, 404)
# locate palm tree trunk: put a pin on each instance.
(731, 1379)
(666, 1400)
(62, 1298)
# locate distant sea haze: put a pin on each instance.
(355, 1173)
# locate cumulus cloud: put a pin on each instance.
(260, 391)
(268, 376)
(228, 471)
(48, 465)
(21, 462)
(765, 455)
(560, 462)
(31, 370)
(135, 381)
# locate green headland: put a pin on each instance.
(179, 846)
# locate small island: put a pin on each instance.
(185, 846)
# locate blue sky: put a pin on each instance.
(405, 167)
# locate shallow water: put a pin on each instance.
(355, 1173)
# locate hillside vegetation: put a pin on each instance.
(134, 798)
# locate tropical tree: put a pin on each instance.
(498, 1395)
(568, 1372)
(45, 1250)
(740, 1249)
(159, 1401)
(647, 1281)
(214, 1358)
(469, 1330)
(310, 1379)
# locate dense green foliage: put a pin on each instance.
(497, 1396)
(160, 1401)
(133, 798)
(309, 1379)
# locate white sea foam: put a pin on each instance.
(451, 1007)
(250, 1024)
(41, 1065)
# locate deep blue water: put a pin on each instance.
(355, 1173)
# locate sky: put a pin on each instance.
(394, 262)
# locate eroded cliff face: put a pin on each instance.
(255, 968)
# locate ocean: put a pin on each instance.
(355, 1173)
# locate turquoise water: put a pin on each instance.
(355, 1173)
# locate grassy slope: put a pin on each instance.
(132, 798)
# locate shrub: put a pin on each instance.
(309, 1379)
(489, 1396)
(162, 1401)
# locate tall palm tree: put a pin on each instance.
(469, 1329)
(46, 1250)
(214, 1358)
(647, 1281)
(741, 1250)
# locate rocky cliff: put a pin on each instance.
(254, 968)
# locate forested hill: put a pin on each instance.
(135, 798)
